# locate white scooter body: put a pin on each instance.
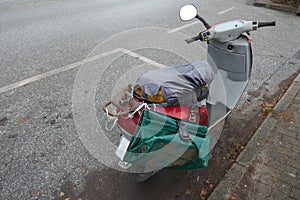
(234, 62)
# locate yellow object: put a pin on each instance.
(158, 98)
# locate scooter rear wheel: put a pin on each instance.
(141, 177)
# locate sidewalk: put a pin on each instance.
(269, 166)
(277, 6)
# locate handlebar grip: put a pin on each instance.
(263, 24)
(193, 39)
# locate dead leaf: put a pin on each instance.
(13, 135)
(233, 196)
(253, 93)
(292, 62)
(61, 194)
(207, 181)
(283, 115)
(68, 198)
(270, 105)
(266, 108)
(235, 150)
(3, 121)
(34, 192)
(204, 192)
(40, 70)
(248, 101)
(23, 119)
(52, 122)
(188, 193)
(85, 168)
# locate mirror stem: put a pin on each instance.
(203, 21)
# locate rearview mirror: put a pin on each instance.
(188, 12)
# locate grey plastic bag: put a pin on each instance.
(175, 85)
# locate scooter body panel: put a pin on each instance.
(234, 57)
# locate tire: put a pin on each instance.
(141, 177)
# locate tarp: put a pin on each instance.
(157, 142)
(182, 84)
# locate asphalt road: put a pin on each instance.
(41, 152)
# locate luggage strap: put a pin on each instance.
(183, 131)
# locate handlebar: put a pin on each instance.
(193, 39)
(229, 30)
(263, 24)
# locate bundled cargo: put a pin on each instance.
(175, 85)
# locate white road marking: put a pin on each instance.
(225, 11)
(94, 58)
(74, 65)
(146, 60)
(33, 4)
(183, 27)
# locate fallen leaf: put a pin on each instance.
(85, 171)
(283, 115)
(34, 192)
(68, 198)
(3, 121)
(254, 93)
(235, 150)
(40, 70)
(13, 135)
(211, 186)
(52, 122)
(270, 105)
(292, 62)
(248, 101)
(233, 196)
(266, 108)
(85, 168)
(207, 181)
(61, 194)
(188, 193)
(204, 192)
(22, 119)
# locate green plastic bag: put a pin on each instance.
(156, 142)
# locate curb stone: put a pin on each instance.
(276, 6)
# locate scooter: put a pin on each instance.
(229, 49)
